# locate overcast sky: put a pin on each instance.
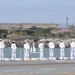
(37, 11)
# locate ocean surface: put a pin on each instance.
(20, 53)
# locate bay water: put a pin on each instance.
(20, 53)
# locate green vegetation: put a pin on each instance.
(72, 35)
(3, 33)
(36, 32)
(42, 32)
(32, 32)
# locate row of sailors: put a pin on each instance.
(41, 47)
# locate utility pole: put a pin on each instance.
(67, 22)
(21, 27)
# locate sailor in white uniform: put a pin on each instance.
(51, 49)
(26, 50)
(13, 47)
(1, 50)
(72, 49)
(62, 47)
(41, 47)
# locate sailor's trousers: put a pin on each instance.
(13, 54)
(1, 54)
(26, 54)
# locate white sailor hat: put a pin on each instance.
(13, 41)
(50, 40)
(61, 40)
(40, 41)
(72, 40)
(0, 39)
(25, 41)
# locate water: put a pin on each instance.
(20, 53)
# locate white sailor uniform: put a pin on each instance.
(1, 50)
(41, 47)
(13, 47)
(62, 47)
(51, 50)
(72, 50)
(26, 51)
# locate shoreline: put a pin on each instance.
(20, 43)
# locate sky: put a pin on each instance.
(37, 11)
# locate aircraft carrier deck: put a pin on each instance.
(38, 67)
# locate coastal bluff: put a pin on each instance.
(20, 43)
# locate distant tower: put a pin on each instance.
(67, 22)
